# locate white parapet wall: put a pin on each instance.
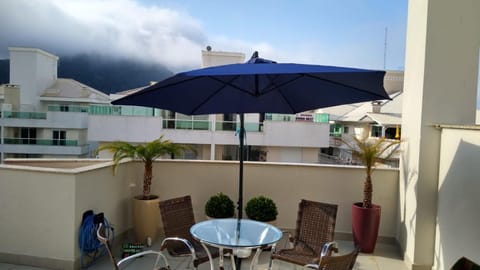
(42, 202)
(457, 230)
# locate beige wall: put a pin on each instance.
(292, 154)
(37, 214)
(285, 183)
(457, 230)
(42, 204)
(42, 210)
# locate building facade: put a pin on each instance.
(43, 115)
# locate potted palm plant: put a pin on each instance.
(145, 206)
(365, 214)
(219, 206)
(261, 208)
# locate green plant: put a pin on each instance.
(261, 208)
(370, 151)
(219, 206)
(147, 152)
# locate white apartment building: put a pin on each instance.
(270, 137)
(46, 116)
(43, 115)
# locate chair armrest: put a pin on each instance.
(290, 235)
(328, 248)
(312, 265)
(143, 253)
(291, 239)
(182, 240)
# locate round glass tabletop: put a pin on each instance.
(235, 233)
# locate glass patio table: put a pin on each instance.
(236, 234)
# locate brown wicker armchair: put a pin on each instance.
(315, 227)
(117, 265)
(341, 262)
(177, 217)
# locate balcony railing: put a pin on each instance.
(24, 115)
(34, 141)
(234, 126)
(67, 108)
(206, 125)
(186, 124)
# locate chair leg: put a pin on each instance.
(270, 262)
(232, 259)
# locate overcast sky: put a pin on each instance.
(329, 32)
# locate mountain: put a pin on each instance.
(104, 74)
(4, 71)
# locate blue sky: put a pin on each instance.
(329, 32)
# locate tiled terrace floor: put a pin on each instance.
(385, 257)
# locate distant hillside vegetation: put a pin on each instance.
(104, 74)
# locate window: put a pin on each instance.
(345, 130)
(28, 135)
(335, 130)
(376, 131)
(59, 137)
(392, 133)
(64, 108)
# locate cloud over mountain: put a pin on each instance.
(107, 27)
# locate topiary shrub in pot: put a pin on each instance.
(261, 208)
(219, 206)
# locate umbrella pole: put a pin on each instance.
(238, 261)
(240, 177)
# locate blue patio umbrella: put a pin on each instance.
(259, 86)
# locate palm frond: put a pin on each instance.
(145, 152)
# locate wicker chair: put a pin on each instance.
(177, 217)
(315, 227)
(116, 265)
(341, 262)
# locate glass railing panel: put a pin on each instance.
(67, 108)
(226, 125)
(123, 110)
(25, 115)
(201, 125)
(104, 110)
(34, 141)
(253, 127)
(183, 124)
(234, 126)
(186, 124)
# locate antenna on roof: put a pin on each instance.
(385, 49)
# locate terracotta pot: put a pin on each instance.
(365, 224)
(146, 219)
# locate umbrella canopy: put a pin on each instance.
(260, 86)
(257, 87)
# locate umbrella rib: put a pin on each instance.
(215, 92)
(273, 86)
(346, 85)
(229, 83)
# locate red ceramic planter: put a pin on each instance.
(365, 224)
